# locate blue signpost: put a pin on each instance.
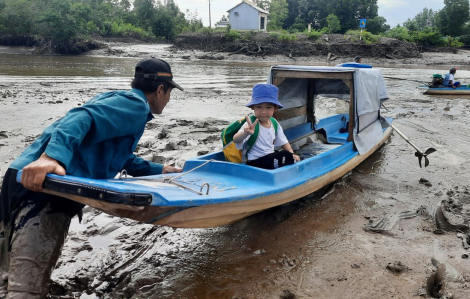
(362, 24)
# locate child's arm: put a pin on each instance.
(288, 148)
(249, 129)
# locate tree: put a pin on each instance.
(278, 13)
(18, 17)
(377, 25)
(299, 25)
(425, 19)
(333, 23)
(411, 25)
(292, 14)
(263, 4)
(453, 17)
(194, 22)
(348, 12)
(145, 12)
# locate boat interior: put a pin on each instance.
(316, 112)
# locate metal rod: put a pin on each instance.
(406, 139)
(184, 173)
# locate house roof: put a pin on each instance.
(252, 4)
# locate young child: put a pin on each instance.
(264, 103)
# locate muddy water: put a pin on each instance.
(315, 247)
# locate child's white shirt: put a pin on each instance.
(265, 143)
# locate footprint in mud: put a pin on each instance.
(386, 224)
(438, 283)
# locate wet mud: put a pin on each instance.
(388, 229)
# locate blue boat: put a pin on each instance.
(462, 90)
(355, 64)
(331, 140)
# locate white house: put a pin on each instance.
(247, 16)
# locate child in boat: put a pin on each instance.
(264, 103)
(449, 79)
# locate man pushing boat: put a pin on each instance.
(97, 141)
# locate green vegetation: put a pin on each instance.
(314, 35)
(279, 11)
(286, 37)
(295, 15)
(332, 23)
(368, 37)
(232, 34)
(61, 22)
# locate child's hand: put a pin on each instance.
(296, 158)
(250, 128)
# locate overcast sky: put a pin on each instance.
(395, 11)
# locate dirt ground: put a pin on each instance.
(268, 44)
(388, 229)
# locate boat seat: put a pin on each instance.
(332, 126)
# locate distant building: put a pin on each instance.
(222, 24)
(247, 16)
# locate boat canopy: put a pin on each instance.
(301, 87)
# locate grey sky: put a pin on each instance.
(395, 11)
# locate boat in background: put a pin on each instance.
(462, 90)
(331, 117)
(355, 64)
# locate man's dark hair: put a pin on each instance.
(149, 85)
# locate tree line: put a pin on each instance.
(63, 20)
(60, 21)
(448, 26)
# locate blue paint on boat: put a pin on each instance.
(355, 65)
(462, 90)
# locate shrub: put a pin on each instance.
(428, 37)
(401, 33)
(274, 35)
(285, 37)
(205, 30)
(127, 30)
(367, 37)
(232, 34)
(248, 35)
(453, 42)
(314, 35)
(465, 39)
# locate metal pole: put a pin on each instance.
(209, 13)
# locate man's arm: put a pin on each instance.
(136, 167)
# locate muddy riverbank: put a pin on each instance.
(372, 234)
(267, 44)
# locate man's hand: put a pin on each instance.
(34, 173)
(171, 169)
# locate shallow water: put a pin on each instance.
(307, 246)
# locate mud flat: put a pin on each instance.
(373, 234)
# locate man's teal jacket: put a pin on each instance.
(98, 139)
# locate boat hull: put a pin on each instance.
(219, 214)
(448, 91)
